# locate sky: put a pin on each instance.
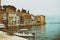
(49, 8)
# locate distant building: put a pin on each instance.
(10, 13)
(42, 19)
(9, 16)
(38, 20)
(1, 15)
(25, 17)
(33, 19)
(21, 19)
(12, 18)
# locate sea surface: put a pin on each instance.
(49, 31)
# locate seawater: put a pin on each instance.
(46, 32)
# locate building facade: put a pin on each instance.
(42, 19)
(13, 18)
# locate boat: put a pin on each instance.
(23, 29)
(24, 33)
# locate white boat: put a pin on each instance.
(23, 29)
(24, 35)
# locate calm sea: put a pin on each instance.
(46, 32)
(50, 31)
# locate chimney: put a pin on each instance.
(18, 10)
(28, 11)
(23, 10)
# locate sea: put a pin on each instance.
(49, 31)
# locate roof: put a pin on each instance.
(9, 6)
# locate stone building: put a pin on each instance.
(40, 19)
(1, 15)
(25, 17)
(33, 22)
(2, 11)
(12, 18)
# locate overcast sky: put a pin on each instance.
(37, 7)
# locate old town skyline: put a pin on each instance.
(36, 7)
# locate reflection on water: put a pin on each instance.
(45, 32)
